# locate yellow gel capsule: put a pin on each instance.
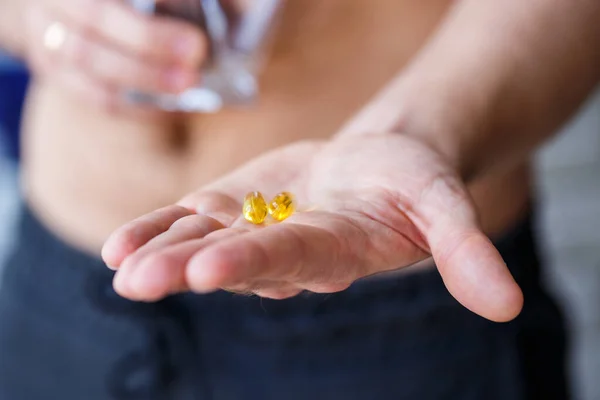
(255, 208)
(282, 206)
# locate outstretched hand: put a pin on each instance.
(367, 204)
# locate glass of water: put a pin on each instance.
(238, 31)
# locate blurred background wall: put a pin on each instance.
(569, 185)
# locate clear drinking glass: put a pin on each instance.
(238, 32)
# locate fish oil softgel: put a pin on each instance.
(255, 208)
(282, 206)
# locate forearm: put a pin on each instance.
(12, 27)
(495, 80)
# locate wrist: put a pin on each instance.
(422, 104)
(445, 122)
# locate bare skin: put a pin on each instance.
(88, 171)
(390, 186)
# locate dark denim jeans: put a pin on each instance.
(65, 334)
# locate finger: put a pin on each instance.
(157, 275)
(119, 24)
(187, 228)
(47, 65)
(127, 239)
(99, 95)
(122, 70)
(93, 93)
(472, 268)
(162, 272)
(77, 81)
(292, 252)
(80, 50)
(216, 205)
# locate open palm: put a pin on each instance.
(367, 204)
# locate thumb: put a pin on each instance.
(472, 268)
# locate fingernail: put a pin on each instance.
(112, 268)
